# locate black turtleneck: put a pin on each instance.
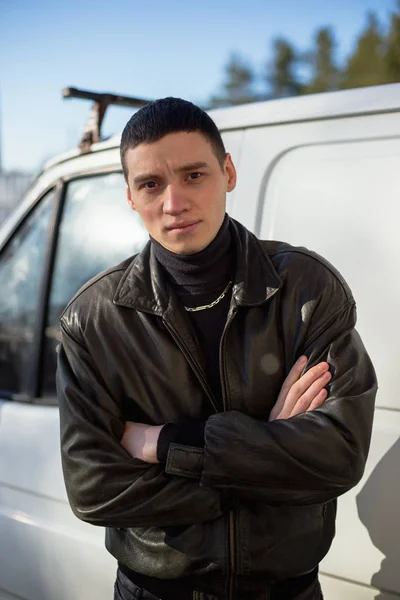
(205, 273)
(198, 279)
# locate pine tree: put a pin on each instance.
(281, 76)
(324, 71)
(367, 64)
(392, 58)
(238, 85)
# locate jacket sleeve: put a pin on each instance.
(105, 485)
(310, 458)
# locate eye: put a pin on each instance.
(148, 185)
(193, 176)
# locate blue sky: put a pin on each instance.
(139, 47)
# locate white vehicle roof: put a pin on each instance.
(346, 103)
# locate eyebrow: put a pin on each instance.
(192, 167)
(183, 168)
(145, 177)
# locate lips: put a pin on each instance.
(182, 226)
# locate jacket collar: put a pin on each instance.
(143, 286)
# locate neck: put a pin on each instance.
(203, 271)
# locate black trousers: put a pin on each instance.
(125, 589)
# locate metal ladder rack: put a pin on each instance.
(101, 101)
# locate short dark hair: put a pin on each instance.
(169, 115)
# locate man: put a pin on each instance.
(195, 420)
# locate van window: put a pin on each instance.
(342, 201)
(98, 229)
(21, 273)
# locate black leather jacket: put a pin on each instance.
(128, 353)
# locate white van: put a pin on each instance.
(321, 171)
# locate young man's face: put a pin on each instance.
(179, 190)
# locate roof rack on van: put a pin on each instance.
(92, 130)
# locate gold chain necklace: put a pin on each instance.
(189, 309)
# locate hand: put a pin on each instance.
(302, 393)
(140, 441)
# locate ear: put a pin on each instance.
(129, 198)
(230, 173)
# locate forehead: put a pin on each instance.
(171, 151)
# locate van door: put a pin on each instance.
(22, 275)
(45, 551)
(342, 201)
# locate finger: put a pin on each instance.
(302, 392)
(295, 372)
(318, 400)
(294, 386)
(304, 402)
(293, 375)
(306, 380)
(315, 388)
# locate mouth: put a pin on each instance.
(186, 226)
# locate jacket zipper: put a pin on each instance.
(232, 525)
(197, 372)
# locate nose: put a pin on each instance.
(175, 200)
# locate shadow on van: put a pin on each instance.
(378, 506)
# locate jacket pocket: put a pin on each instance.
(284, 541)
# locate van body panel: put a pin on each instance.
(340, 199)
(264, 146)
(315, 107)
(343, 215)
(338, 589)
(49, 553)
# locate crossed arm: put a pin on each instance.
(299, 394)
(315, 445)
(110, 469)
